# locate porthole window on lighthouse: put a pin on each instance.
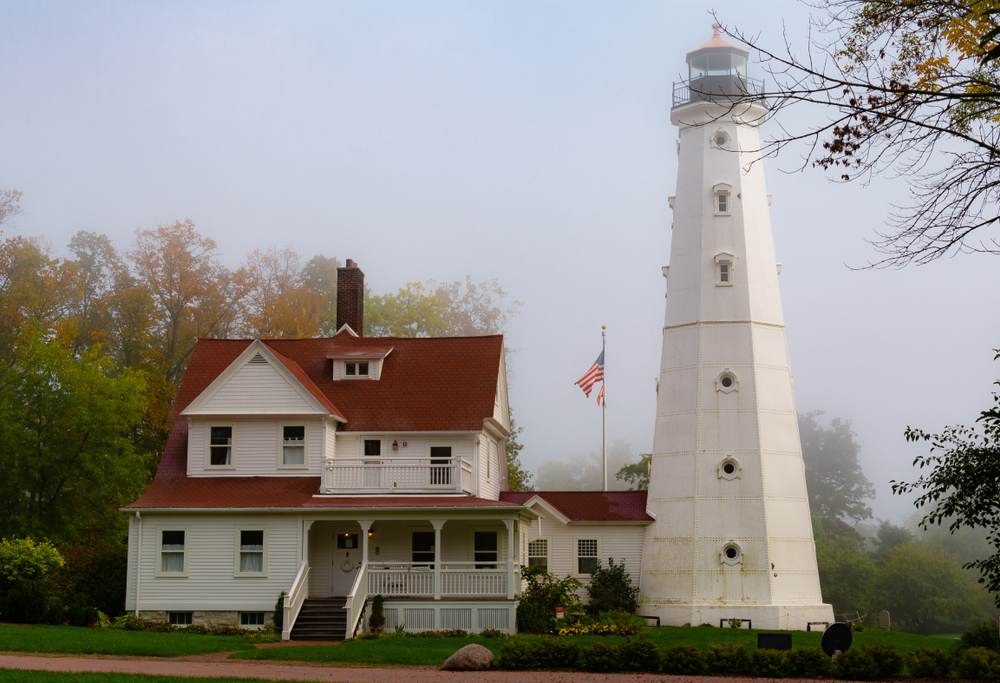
(732, 554)
(726, 382)
(729, 469)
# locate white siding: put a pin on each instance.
(417, 445)
(258, 388)
(489, 488)
(211, 563)
(622, 542)
(331, 439)
(500, 412)
(133, 546)
(256, 448)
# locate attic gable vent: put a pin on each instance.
(258, 359)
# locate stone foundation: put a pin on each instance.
(208, 619)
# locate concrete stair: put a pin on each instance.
(321, 619)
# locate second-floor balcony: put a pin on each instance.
(379, 476)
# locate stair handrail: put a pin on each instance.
(293, 600)
(357, 599)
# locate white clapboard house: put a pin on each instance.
(333, 470)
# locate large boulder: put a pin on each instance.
(469, 658)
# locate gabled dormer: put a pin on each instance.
(358, 362)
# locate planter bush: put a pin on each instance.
(728, 658)
(279, 611)
(929, 662)
(601, 657)
(518, 653)
(130, 622)
(558, 653)
(887, 659)
(766, 663)
(982, 634)
(640, 654)
(376, 622)
(684, 660)
(855, 665)
(806, 662)
(611, 590)
(978, 662)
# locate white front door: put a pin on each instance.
(346, 561)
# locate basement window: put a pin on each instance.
(180, 618)
(251, 618)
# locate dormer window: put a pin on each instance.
(723, 199)
(359, 369)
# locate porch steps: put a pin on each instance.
(321, 619)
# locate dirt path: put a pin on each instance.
(217, 665)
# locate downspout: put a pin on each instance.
(138, 562)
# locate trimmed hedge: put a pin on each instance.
(684, 660)
(979, 662)
(929, 662)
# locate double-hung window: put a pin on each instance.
(251, 553)
(173, 559)
(423, 548)
(220, 446)
(485, 549)
(538, 554)
(587, 550)
(293, 445)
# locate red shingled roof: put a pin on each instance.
(427, 384)
(590, 506)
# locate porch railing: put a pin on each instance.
(388, 475)
(458, 579)
(293, 601)
(356, 600)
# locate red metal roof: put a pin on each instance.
(589, 506)
(426, 384)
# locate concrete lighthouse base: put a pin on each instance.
(777, 617)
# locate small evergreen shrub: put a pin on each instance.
(601, 657)
(806, 662)
(929, 662)
(518, 653)
(731, 658)
(855, 665)
(611, 590)
(766, 663)
(982, 634)
(978, 662)
(130, 622)
(376, 622)
(558, 653)
(684, 660)
(279, 611)
(640, 654)
(887, 659)
(195, 629)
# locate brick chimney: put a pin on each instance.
(351, 297)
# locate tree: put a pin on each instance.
(960, 485)
(584, 473)
(846, 572)
(476, 309)
(836, 484)
(320, 276)
(280, 303)
(924, 586)
(66, 462)
(907, 92)
(889, 536)
(413, 311)
(10, 205)
(518, 478)
(636, 474)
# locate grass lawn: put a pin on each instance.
(433, 651)
(17, 676)
(102, 641)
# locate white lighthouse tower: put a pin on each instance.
(733, 536)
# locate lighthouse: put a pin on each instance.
(732, 537)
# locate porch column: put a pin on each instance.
(366, 525)
(509, 523)
(438, 523)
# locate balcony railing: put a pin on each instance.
(370, 476)
(726, 89)
(458, 579)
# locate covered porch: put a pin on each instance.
(433, 571)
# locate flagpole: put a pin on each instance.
(604, 406)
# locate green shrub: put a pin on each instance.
(130, 622)
(601, 657)
(163, 627)
(684, 660)
(279, 610)
(929, 662)
(731, 658)
(195, 629)
(855, 665)
(640, 654)
(24, 570)
(978, 662)
(228, 631)
(82, 616)
(982, 634)
(376, 622)
(543, 592)
(806, 662)
(887, 659)
(557, 653)
(262, 636)
(611, 590)
(766, 663)
(55, 614)
(518, 653)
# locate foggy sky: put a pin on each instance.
(520, 140)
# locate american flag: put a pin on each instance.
(593, 376)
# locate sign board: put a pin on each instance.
(837, 636)
(883, 620)
(559, 612)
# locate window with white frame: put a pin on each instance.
(251, 554)
(423, 548)
(356, 369)
(538, 554)
(173, 552)
(440, 470)
(587, 550)
(724, 270)
(251, 618)
(220, 446)
(373, 473)
(485, 549)
(723, 199)
(293, 445)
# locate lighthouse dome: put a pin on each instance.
(717, 70)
